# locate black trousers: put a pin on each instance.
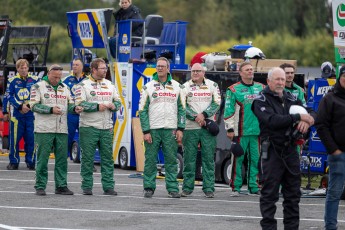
(275, 173)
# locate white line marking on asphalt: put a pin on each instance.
(184, 214)
(2, 226)
(96, 183)
(97, 173)
(184, 199)
(54, 228)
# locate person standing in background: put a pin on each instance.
(76, 77)
(327, 70)
(280, 164)
(241, 122)
(21, 118)
(290, 86)
(99, 99)
(162, 115)
(202, 103)
(330, 123)
(50, 101)
(127, 11)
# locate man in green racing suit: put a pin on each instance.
(241, 122)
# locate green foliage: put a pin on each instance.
(60, 46)
(146, 6)
(311, 50)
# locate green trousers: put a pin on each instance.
(250, 145)
(44, 144)
(166, 139)
(191, 139)
(90, 139)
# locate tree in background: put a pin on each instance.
(299, 17)
(210, 22)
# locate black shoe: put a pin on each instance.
(12, 166)
(174, 195)
(257, 193)
(30, 167)
(110, 192)
(87, 192)
(209, 194)
(94, 169)
(63, 191)
(186, 193)
(148, 193)
(40, 192)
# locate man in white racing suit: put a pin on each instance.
(99, 99)
(50, 100)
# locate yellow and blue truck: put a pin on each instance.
(132, 67)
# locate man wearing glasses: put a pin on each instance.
(50, 101)
(202, 102)
(241, 122)
(290, 86)
(99, 99)
(162, 117)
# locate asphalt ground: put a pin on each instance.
(20, 208)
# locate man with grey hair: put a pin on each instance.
(50, 100)
(162, 117)
(202, 103)
(279, 131)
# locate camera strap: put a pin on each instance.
(282, 157)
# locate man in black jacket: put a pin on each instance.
(330, 125)
(280, 163)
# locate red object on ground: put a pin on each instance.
(5, 131)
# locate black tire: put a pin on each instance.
(179, 166)
(5, 143)
(123, 158)
(324, 181)
(75, 153)
(226, 171)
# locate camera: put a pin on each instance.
(292, 134)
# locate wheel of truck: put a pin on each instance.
(324, 181)
(5, 144)
(123, 158)
(179, 166)
(75, 152)
(227, 171)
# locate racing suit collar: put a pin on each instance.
(81, 77)
(45, 78)
(94, 80)
(155, 77)
(21, 77)
(292, 86)
(203, 81)
(247, 84)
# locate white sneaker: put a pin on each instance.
(234, 194)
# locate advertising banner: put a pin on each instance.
(338, 9)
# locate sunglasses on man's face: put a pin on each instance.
(56, 68)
